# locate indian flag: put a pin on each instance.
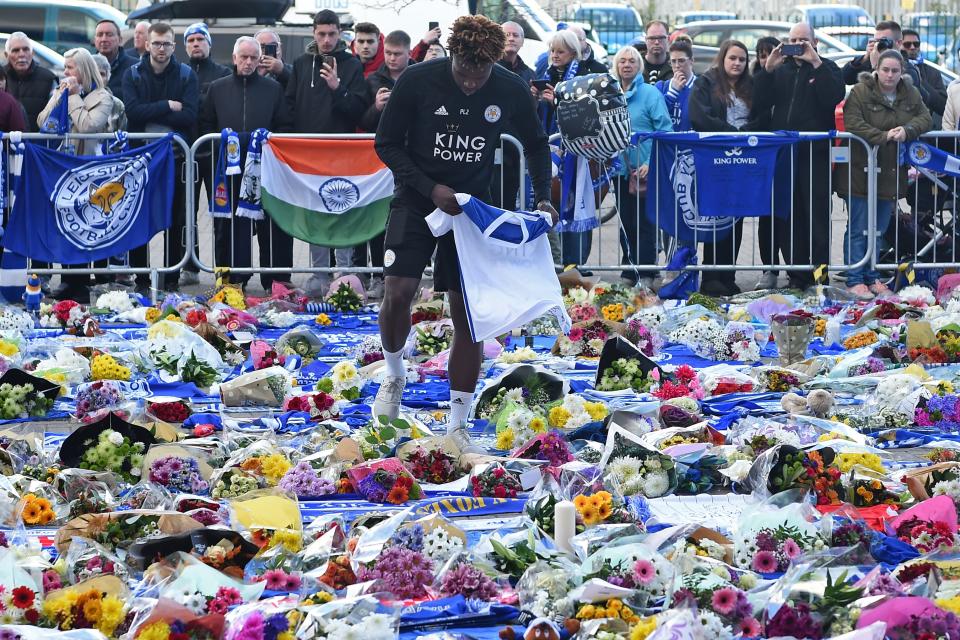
(334, 193)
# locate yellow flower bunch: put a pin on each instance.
(872, 461)
(858, 340)
(833, 435)
(506, 439)
(320, 597)
(558, 417)
(950, 604)
(36, 510)
(538, 425)
(323, 320)
(820, 328)
(158, 630)
(594, 509)
(677, 439)
(288, 538)
(173, 317)
(643, 628)
(613, 312)
(944, 388)
(152, 315)
(105, 367)
(105, 612)
(597, 410)
(8, 348)
(230, 296)
(614, 608)
(274, 467)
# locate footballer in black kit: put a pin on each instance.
(438, 135)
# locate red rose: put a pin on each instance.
(499, 491)
(498, 472)
(32, 616)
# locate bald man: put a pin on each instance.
(140, 36)
(511, 52)
(800, 93)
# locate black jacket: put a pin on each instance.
(207, 71)
(377, 80)
(284, 76)
(317, 109)
(118, 67)
(932, 82)
(853, 69)
(244, 103)
(798, 97)
(520, 68)
(146, 95)
(708, 112)
(32, 90)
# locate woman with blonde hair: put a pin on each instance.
(89, 103)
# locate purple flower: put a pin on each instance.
(766, 541)
(469, 582)
(400, 571)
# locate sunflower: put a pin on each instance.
(46, 516)
(31, 513)
(604, 510)
(397, 495)
(580, 502)
(589, 515)
(595, 501)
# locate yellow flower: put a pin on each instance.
(597, 410)
(558, 417)
(643, 628)
(872, 461)
(590, 515)
(152, 315)
(952, 604)
(615, 604)
(323, 320)
(580, 502)
(274, 467)
(159, 630)
(538, 425)
(586, 611)
(944, 388)
(287, 538)
(604, 511)
(505, 439)
(111, 615)
(92, 610)
(596, 501)
(604, 496)
(7, 348)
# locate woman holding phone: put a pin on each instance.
(721, 102)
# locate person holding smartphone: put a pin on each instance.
(326, 93)
(271, 57)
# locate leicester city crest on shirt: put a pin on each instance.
(97, 203)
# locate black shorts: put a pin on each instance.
(409, 244)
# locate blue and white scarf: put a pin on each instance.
(249, 205)
(547, 112)
(228, 164)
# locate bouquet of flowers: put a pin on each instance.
(466, 580)
(93, 399)
(36, 510)
(303, 481)
(551, 447)
(532, 396)
(600, 508)
(13, 319)
(646, 473)
(233, 484)
(926, 535)
(722, 381)
(495, 481)
(574, 412)
(70, 316)
(178, 473)
(810, 469)
(401, 571)
(941, 412)
(582, 312)
(639, 333)
(518, 426)
(345, 299)
(114, 452)
(432, 465)
(586, 339)
(172, 410)
(440, 545)
(728, 605)
(701, 335)
(104, 366)
(114, 301)
(320, 405)
(22, 401)
(433, 338)
(384, 481)
(771, 549)
(299, 345)
(230, 295)
(624, 373)
(21, 604)
(271, 466)
(77, 608)
(736, 342)
(344, 381)
(368, 351)
(776, 379)
(681, 383)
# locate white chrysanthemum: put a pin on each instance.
(514, 395)
(378, 626)
(713, 626)
(625, 468)
(115, 301)
(656, 484)
(115, 438)
(917, 295)
(518, 419)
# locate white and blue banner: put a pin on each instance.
(73, 210)
(701, 183)
(926, 156)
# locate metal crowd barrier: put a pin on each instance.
(604, 249)
(185, 174)
(205, 150)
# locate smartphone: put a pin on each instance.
(792, 49)
(433, 25)
(540, 85)
(327, 60)
(269, 49)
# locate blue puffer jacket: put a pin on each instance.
(648, 112)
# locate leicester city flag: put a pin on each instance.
(508, 227)
(74, 209)
(701, 183)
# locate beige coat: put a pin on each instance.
(89, 114)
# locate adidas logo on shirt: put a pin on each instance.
(442, 111)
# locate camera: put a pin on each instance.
(884, 43)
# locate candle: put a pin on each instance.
(564, 525)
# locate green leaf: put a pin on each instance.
(388, 433)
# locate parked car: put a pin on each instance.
(844, 57)
(61, 25)
(687, 17)
(537, 25)
(44, 55)
(938, 32)
(831, 15)
(707, 37)
(612, 25)
(854, 37)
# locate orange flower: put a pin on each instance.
(31, 513)
(398, 495)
